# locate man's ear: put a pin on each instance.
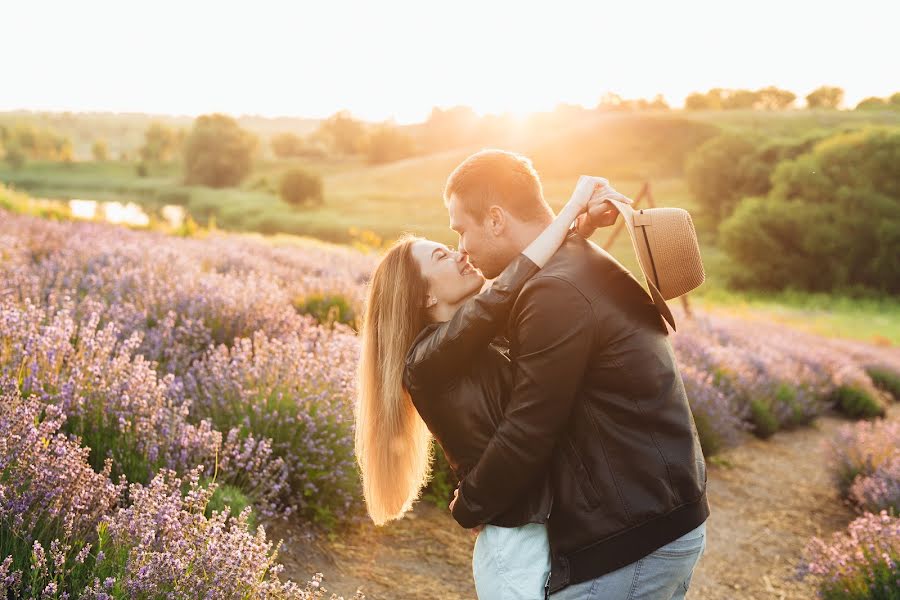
(496, 219)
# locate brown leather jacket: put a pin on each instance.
(598, 402)
(459, 378)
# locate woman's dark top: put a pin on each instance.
(459, 378)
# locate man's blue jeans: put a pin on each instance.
(661, 575)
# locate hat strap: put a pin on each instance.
(627, 213)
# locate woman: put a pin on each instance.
(428, 368)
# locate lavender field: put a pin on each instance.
(149, 381)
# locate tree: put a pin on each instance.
(15, 156)
(831, 220)
(387, 144)
(871, 103)
(773, 98)
(343, 134)
(698, 101)
(740, 99)
(286, 145)
(722, 171)
(299, 188)
(161, 143)
(218, 153)
(825, 97)
(99, 150)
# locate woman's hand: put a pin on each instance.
(586, 189)
(475, 530)
(600, 212)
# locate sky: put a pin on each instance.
(396, 60)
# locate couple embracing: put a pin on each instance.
(553, 393)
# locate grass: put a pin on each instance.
(873, 320)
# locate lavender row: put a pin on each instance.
(863, 562)
(68, 531)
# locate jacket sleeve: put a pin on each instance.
(556, 330)
(442, 351)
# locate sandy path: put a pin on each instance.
(768, 498)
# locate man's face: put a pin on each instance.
(477, 240)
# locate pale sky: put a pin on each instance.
(390, 59)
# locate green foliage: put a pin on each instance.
(161, 143)
(229, 497)
(768, 98)
(25, 141)
(343, 134)
(387, 144)
(99, 150)
(886, 380)
(710, 440)
(857, 403)
(825, 97)
(289, 145)
(765, 424)
(872, 103)
(723, 170)
(14, 155)
(218, 153)
(830, 222)
(443, 481)
(299, 188)
(327, 308)
(773, 98)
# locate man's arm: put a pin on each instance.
(556, 332)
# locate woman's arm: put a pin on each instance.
(549, 241)
(441, 351)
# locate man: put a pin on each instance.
(597, 399)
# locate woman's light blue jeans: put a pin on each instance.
(661, 575)
(511, 563)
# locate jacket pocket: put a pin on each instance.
(584, 481)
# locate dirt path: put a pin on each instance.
(768, 498)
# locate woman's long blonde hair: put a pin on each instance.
(393, 445)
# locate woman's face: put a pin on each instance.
(451, 278)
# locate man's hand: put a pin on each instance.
(600, 213)
(475, 530)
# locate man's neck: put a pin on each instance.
(528, 232)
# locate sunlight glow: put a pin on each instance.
(398, 59)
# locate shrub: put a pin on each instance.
(861, 450)
(881, 489)
(722, 171)
(862, 563)
(300, 188)
(764, 422)
(327, 309)
(443, 481)
(886, 380)
(218, 153)
(831, 220)
(296, 391)
(857, 403)
(825, 97)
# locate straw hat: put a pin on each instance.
(665, 242)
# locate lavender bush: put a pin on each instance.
(296, 391)
(865, 460)
(64, 534)
(862, 563)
